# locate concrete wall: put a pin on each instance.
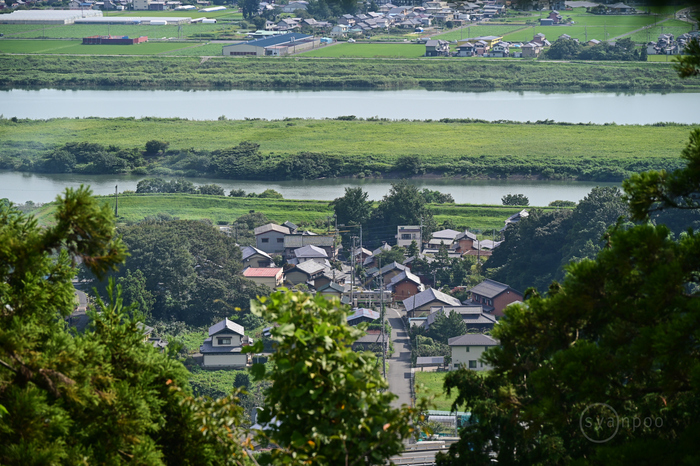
(225, 360)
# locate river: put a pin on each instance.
(418, 104)
(22, 187)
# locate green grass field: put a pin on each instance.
(76, 47)
(383, 140)
(477, 31)
(582, 33)
(668, 27)
(433, 383)
(198, 50)
(368, 51)
(135, 207)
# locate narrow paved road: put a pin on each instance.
(400, 364)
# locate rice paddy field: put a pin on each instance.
(76, 47)
(476, 31)
(359, 50)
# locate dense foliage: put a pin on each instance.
(604, 369)
(569, 49)
(189, 269)
(347, 414)
(98, 397)
(537, 249)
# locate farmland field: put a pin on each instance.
(77, 47)
(433, 386)
(668, 27)
(198, 50)
(475, 31)
(582, 33)
(368, 51)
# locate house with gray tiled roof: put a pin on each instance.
(223, 348)
(254, 257)
(473, 316)
(420, 304)
(493, 296)
(270, 238)
(467, 351)
(405, 285)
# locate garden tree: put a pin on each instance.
(395, 254)
(330, 402)
(404, 205)
(412, 250)
(245, 225)
(249, 8)
(445, 327)
(103, 396)
(156, 147)
(259, 22)
(515, 199)
(615, 341)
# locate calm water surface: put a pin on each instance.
(21, 187)
(416, 104)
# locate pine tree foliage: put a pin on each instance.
(104, 396)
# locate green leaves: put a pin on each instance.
(328, 399)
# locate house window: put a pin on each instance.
(265, 240)
(472, 364)
(280, 240)
(466, 348)
(406, 236)
(224, 340)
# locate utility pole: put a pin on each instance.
(352, 277)
(381, 291)
(420, 240)
(116, 201)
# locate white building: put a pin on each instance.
(223, 348)
(467, 351)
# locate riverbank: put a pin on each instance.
(296, 149)
(154, 72)
(307, 214)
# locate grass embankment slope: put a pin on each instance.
(186, 72)
(135, 207)
(475, 150)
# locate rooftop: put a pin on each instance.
(473, 339)
(262, 272)
(226, 324)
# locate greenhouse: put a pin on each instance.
(47, 16)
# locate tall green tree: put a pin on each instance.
(604, 368)
(354, 208)
(403, 205)
(330, 401)
(104, 396)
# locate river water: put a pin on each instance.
(418, 104)
(22, 187)
(620, 108)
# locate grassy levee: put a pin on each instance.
(171, 72)
(457, 148)
(136, 207)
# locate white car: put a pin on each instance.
(351, 41)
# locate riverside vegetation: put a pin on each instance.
(309, 149)
(298, 73)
